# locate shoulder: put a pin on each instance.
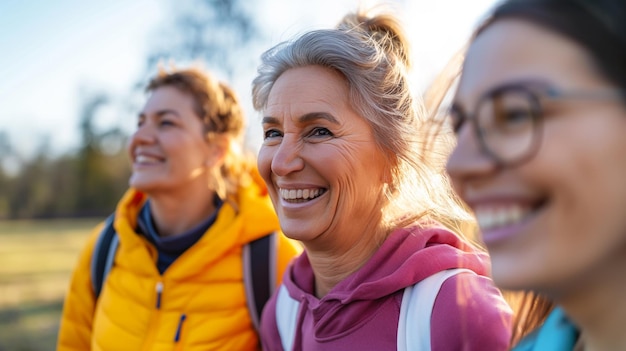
(90, 244)
(470, 314)
(528, 343)
(556, 332)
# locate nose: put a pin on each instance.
(468, 160)
(144, 134)
(287, 158)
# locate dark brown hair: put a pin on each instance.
(599, 26)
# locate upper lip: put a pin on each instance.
(498, 198)
(475, 202)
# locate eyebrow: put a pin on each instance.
(160, 113)
(308, 117)
(507, 84)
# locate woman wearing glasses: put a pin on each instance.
(540, 117)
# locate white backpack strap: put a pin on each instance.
(286, 317)
(417, 306)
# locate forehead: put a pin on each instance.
(168, 97)
(512, 50)
(304, 89)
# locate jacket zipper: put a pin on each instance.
(155, 319)
(179, 330)
(159, 291)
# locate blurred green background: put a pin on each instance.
(36, 259)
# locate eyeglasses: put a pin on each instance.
(507, 120)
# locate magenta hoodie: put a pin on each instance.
(362, 311)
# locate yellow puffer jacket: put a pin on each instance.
(197, 304)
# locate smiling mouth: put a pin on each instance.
(145, 159)
(301, 195)
(494, 217)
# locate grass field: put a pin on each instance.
(36, 259)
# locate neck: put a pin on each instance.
(598, 308)
(176, 213)
(334, 263)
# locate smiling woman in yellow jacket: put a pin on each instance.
(177, 281)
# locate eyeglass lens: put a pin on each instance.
(506, 122)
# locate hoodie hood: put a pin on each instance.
(406, 257)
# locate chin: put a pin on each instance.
(143, 185)
(293, 234)
(137, 183)
(297, 230)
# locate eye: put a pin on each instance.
(271, 133)
(513, 115)
(140, 121)
(320, 132)
(511, 111)
(513, 121)
(166, 123)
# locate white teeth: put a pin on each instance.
(494, 217)
(299, 194)
(145, 159)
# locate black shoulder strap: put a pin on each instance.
(103, 255)
(259, 265)
(259, 268)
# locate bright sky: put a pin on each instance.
(50, 50)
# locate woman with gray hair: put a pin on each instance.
(355, 177)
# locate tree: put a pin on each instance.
(5, 151)
(218, 32)
(224, 35)
(83, 182)
(101, 176)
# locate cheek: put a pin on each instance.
(130, 145)
(264, 163)
(583, 177)
(596, 197)
(586, 162)
(361, 171)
